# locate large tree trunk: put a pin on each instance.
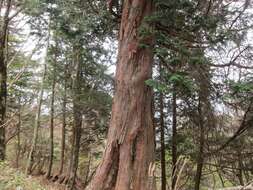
(51, 156)
(128, 161)
(3, 78)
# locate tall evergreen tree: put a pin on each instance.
(128, 161)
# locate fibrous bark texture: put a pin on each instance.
(128, 161)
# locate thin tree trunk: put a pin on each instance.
(71, 154)
(200, 158)
(128, 161)
(240, 164)
(3, 78)
(63, 132)
(204, 117)
(77, 125)
(36, 127)
(18, 136)
(163, 163)
(37, 118)
(51, 156)
(220, 177)
(162, 141)
(77, 121)
(174, 139)
(87, 172)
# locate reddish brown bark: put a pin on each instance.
(128, 161)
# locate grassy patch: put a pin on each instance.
(12, 179)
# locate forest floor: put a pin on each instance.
(13, 179)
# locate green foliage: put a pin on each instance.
(156, 85)
(198, 60)
(11, 179)
(242, 87)
(182, 81)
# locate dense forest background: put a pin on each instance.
(126, 95)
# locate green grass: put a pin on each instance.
(12, 179)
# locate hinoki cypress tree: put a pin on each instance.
(128, 161)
